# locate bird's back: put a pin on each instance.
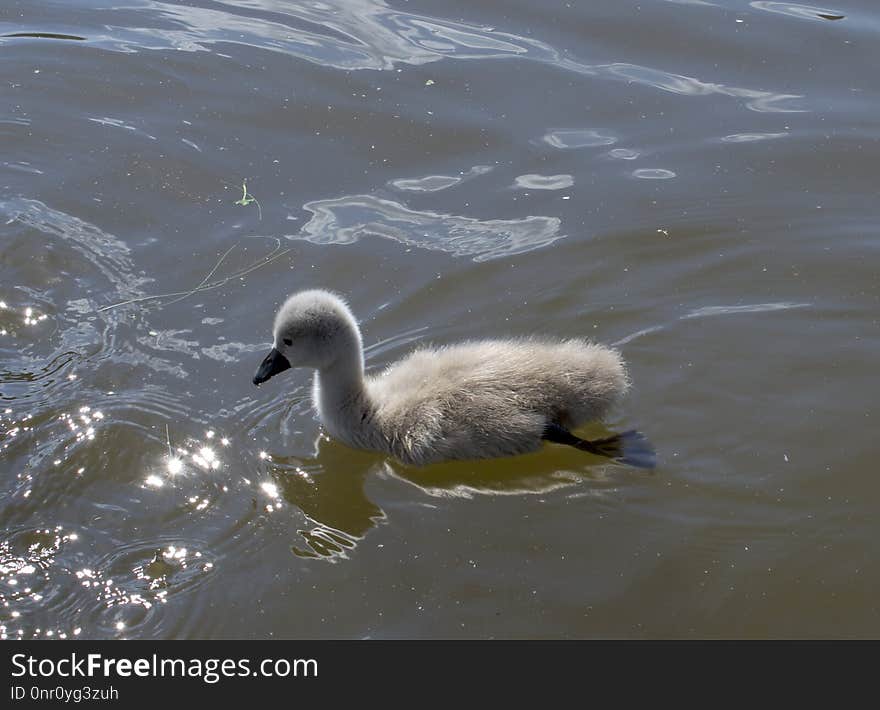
(493, 397)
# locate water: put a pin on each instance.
(693, 181)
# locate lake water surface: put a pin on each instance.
(696, 182)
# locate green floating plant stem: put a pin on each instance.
(247, 198)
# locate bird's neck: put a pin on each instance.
(342, 400)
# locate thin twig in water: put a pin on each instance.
(276, 253)
(205, 280)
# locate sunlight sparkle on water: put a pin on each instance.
(175, 553)
(270, 489)
(181, 455)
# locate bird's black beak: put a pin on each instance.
(274, 363)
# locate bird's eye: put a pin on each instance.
(288, 341)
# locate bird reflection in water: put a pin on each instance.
(331, 488)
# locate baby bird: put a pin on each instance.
(472, 400)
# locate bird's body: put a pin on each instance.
(477, 399)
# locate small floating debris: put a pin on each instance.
(46, 35)
(247, 198)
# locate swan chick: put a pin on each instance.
(471, 400)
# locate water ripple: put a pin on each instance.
(707, 311)
(435, 183)
(577, 138)
(752, 137)
(712, 311)
(345, 220)
(27, 561)
(232, 352)
(623, 154)
(398, 340)
(761, 101)
(801, 12)
(119, 123)
(22, 167)
(368, 34)
(107, 253)
(131, 584)
(653, 174)
(532, 181)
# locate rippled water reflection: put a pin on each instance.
(347, 219)
(691, 181)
